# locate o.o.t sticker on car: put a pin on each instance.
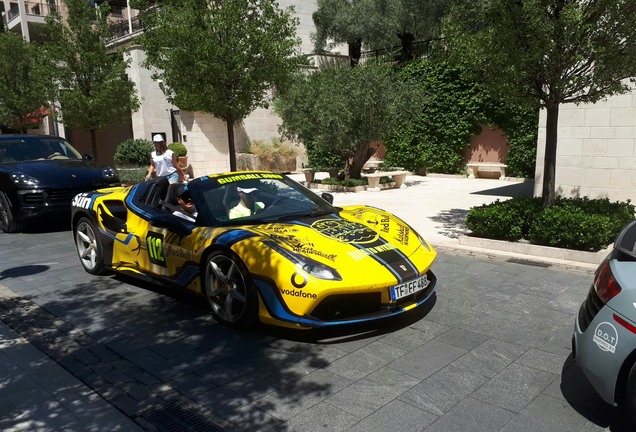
(606, 337)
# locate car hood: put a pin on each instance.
(355, 233)
(60, 172)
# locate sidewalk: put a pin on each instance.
(57, 374)
(36, 393)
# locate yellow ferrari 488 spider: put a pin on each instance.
(259, 247)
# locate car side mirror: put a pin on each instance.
(327, 197)
(88, 157)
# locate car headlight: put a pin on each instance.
(109, 173)
(309, 266)
(422, 240)
(25, 180)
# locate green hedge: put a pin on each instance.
(131, 175)
(571, 223)
(448, 117)
(134, 152)
(504, 220)
(178, 148)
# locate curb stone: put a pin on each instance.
(536, 250)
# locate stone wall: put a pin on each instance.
(596, 150)
(250, 162)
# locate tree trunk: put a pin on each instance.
(355, 51)
(353, 165)
(94, 145)
(549, 161)
(407, 46)
(229, 122)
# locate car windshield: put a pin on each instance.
(254, 197)
(23, 149)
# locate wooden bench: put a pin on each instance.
(374, 178)
(474, 168)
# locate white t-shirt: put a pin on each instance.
(240, 210)
(163, 163)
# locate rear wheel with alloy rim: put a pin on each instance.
(89, 247)
(8, 223)
(229, 290)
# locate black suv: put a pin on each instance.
(40, 175)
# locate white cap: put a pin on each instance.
(246, 190)
(157, 138)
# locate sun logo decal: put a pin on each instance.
(345, 231)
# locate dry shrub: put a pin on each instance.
(273, 153)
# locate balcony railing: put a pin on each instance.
(419, 49)
(123, 28)
(12, 13)
(34, 7)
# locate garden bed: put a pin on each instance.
(335, 188)
(341, 188)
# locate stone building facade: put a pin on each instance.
(596, 150)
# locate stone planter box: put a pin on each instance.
(310, 174)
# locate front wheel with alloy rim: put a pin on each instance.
(8, 223)
(229, 290)
(89, 247)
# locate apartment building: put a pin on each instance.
(204, 135)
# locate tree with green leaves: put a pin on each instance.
(93, 89)
(343, 111)
(406, 21)
(221, 57)
(25, 82)
(546, 53)
(375, 24)
(338, 22)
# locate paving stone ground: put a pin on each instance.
(490, 353)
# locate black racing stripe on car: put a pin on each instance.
(393, 259)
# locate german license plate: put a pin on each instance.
(408, 288)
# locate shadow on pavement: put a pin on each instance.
(414, 182)
(52, 223)
(453, 222)
(512, 190)
(579, 393)
(327, 335)
(166, 336)
(27, 270)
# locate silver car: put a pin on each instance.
(604, 342)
